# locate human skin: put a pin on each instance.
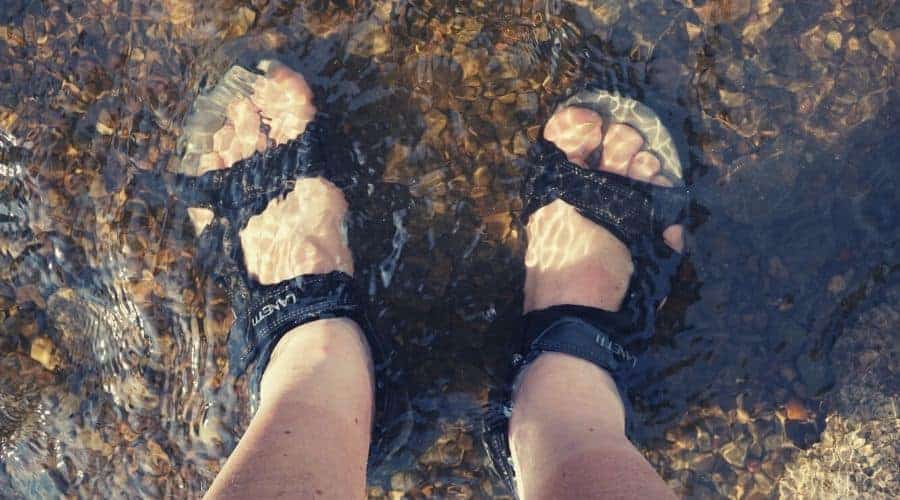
(311, 434)
(567, 429)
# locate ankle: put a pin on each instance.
(558, 387)
(332, 349)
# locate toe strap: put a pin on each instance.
(244, 189)
(630, 209)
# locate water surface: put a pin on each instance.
(113, 367)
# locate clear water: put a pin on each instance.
(113, 376)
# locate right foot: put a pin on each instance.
(571, 260)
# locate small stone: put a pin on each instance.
(813, 43)
(497, 225)
(243, 21)
(396, 163)
(435, 122)
(403, 482)
(104, 123)
(703, 440)
(607, 12)
(433, 183)
(732, 99)
(796, 410)
(693, 30)
(369, 39)
(735, 453)
(837, 284)
(853, 43)
(482, 177)
(834, 40)
(703, 463)
(200, 218)
(470, 62)
(509, 98)
(772, 442)
(43, 351)
(527, 103)
(886, 43)
(381, 43)
(520, 144)
(722, 11)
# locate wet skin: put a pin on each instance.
(569, 260)
(310, 435)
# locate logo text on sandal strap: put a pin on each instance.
(268, 309)
(617, 350)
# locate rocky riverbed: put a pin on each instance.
(773, 372)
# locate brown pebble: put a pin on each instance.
(837, 284)
(796, 410)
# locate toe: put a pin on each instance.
(674, 237)
(288, 83)
(200, 218)
(661, 180)
(578, 132)
(223, 137)
(245, 117)
(644, 166)
(210, 161)
(285, 101)
(620, 145)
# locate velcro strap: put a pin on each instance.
(632, 210)
(584, 332)
(276, 309)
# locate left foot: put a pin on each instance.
(303, 232)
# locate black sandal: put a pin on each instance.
(636, 212)
(264, 313)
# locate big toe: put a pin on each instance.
(285, 101)
(578, 132)
(620, 145)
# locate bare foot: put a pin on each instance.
(571, 260)
(304, 232)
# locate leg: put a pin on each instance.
(567, 435)
(566, 432)
(310, 436)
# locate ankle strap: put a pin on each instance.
(585, 332)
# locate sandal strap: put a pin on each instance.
(274, 310)
(630, 209)
(584, 332)
(246, 188)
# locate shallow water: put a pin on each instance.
(113, 376)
